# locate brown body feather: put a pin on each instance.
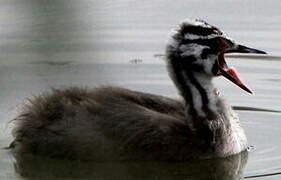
(107, 123)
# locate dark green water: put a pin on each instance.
(45, 44)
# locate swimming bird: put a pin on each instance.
(114, 123)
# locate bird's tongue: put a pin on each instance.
(231, 74)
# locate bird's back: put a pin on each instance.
(107, 123)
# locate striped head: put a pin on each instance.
(198, 47)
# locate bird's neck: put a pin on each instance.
(197, 89)
(208, 117)
(200, 95)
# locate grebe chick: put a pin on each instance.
(111, 123)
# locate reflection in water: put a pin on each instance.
(35, 167)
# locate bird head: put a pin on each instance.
(200, 47)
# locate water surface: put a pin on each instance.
(46, 44)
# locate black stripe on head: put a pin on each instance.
(205, 42)
(215, 68)
(188, 65)
(211, 43)
(196, 30)
(206, 52)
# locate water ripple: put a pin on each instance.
(247, 108)
(255, 57)
(239, 56)
(263, 175)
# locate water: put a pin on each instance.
(45, 44)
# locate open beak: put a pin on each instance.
(230, 73)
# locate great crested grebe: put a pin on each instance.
(111, 123)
